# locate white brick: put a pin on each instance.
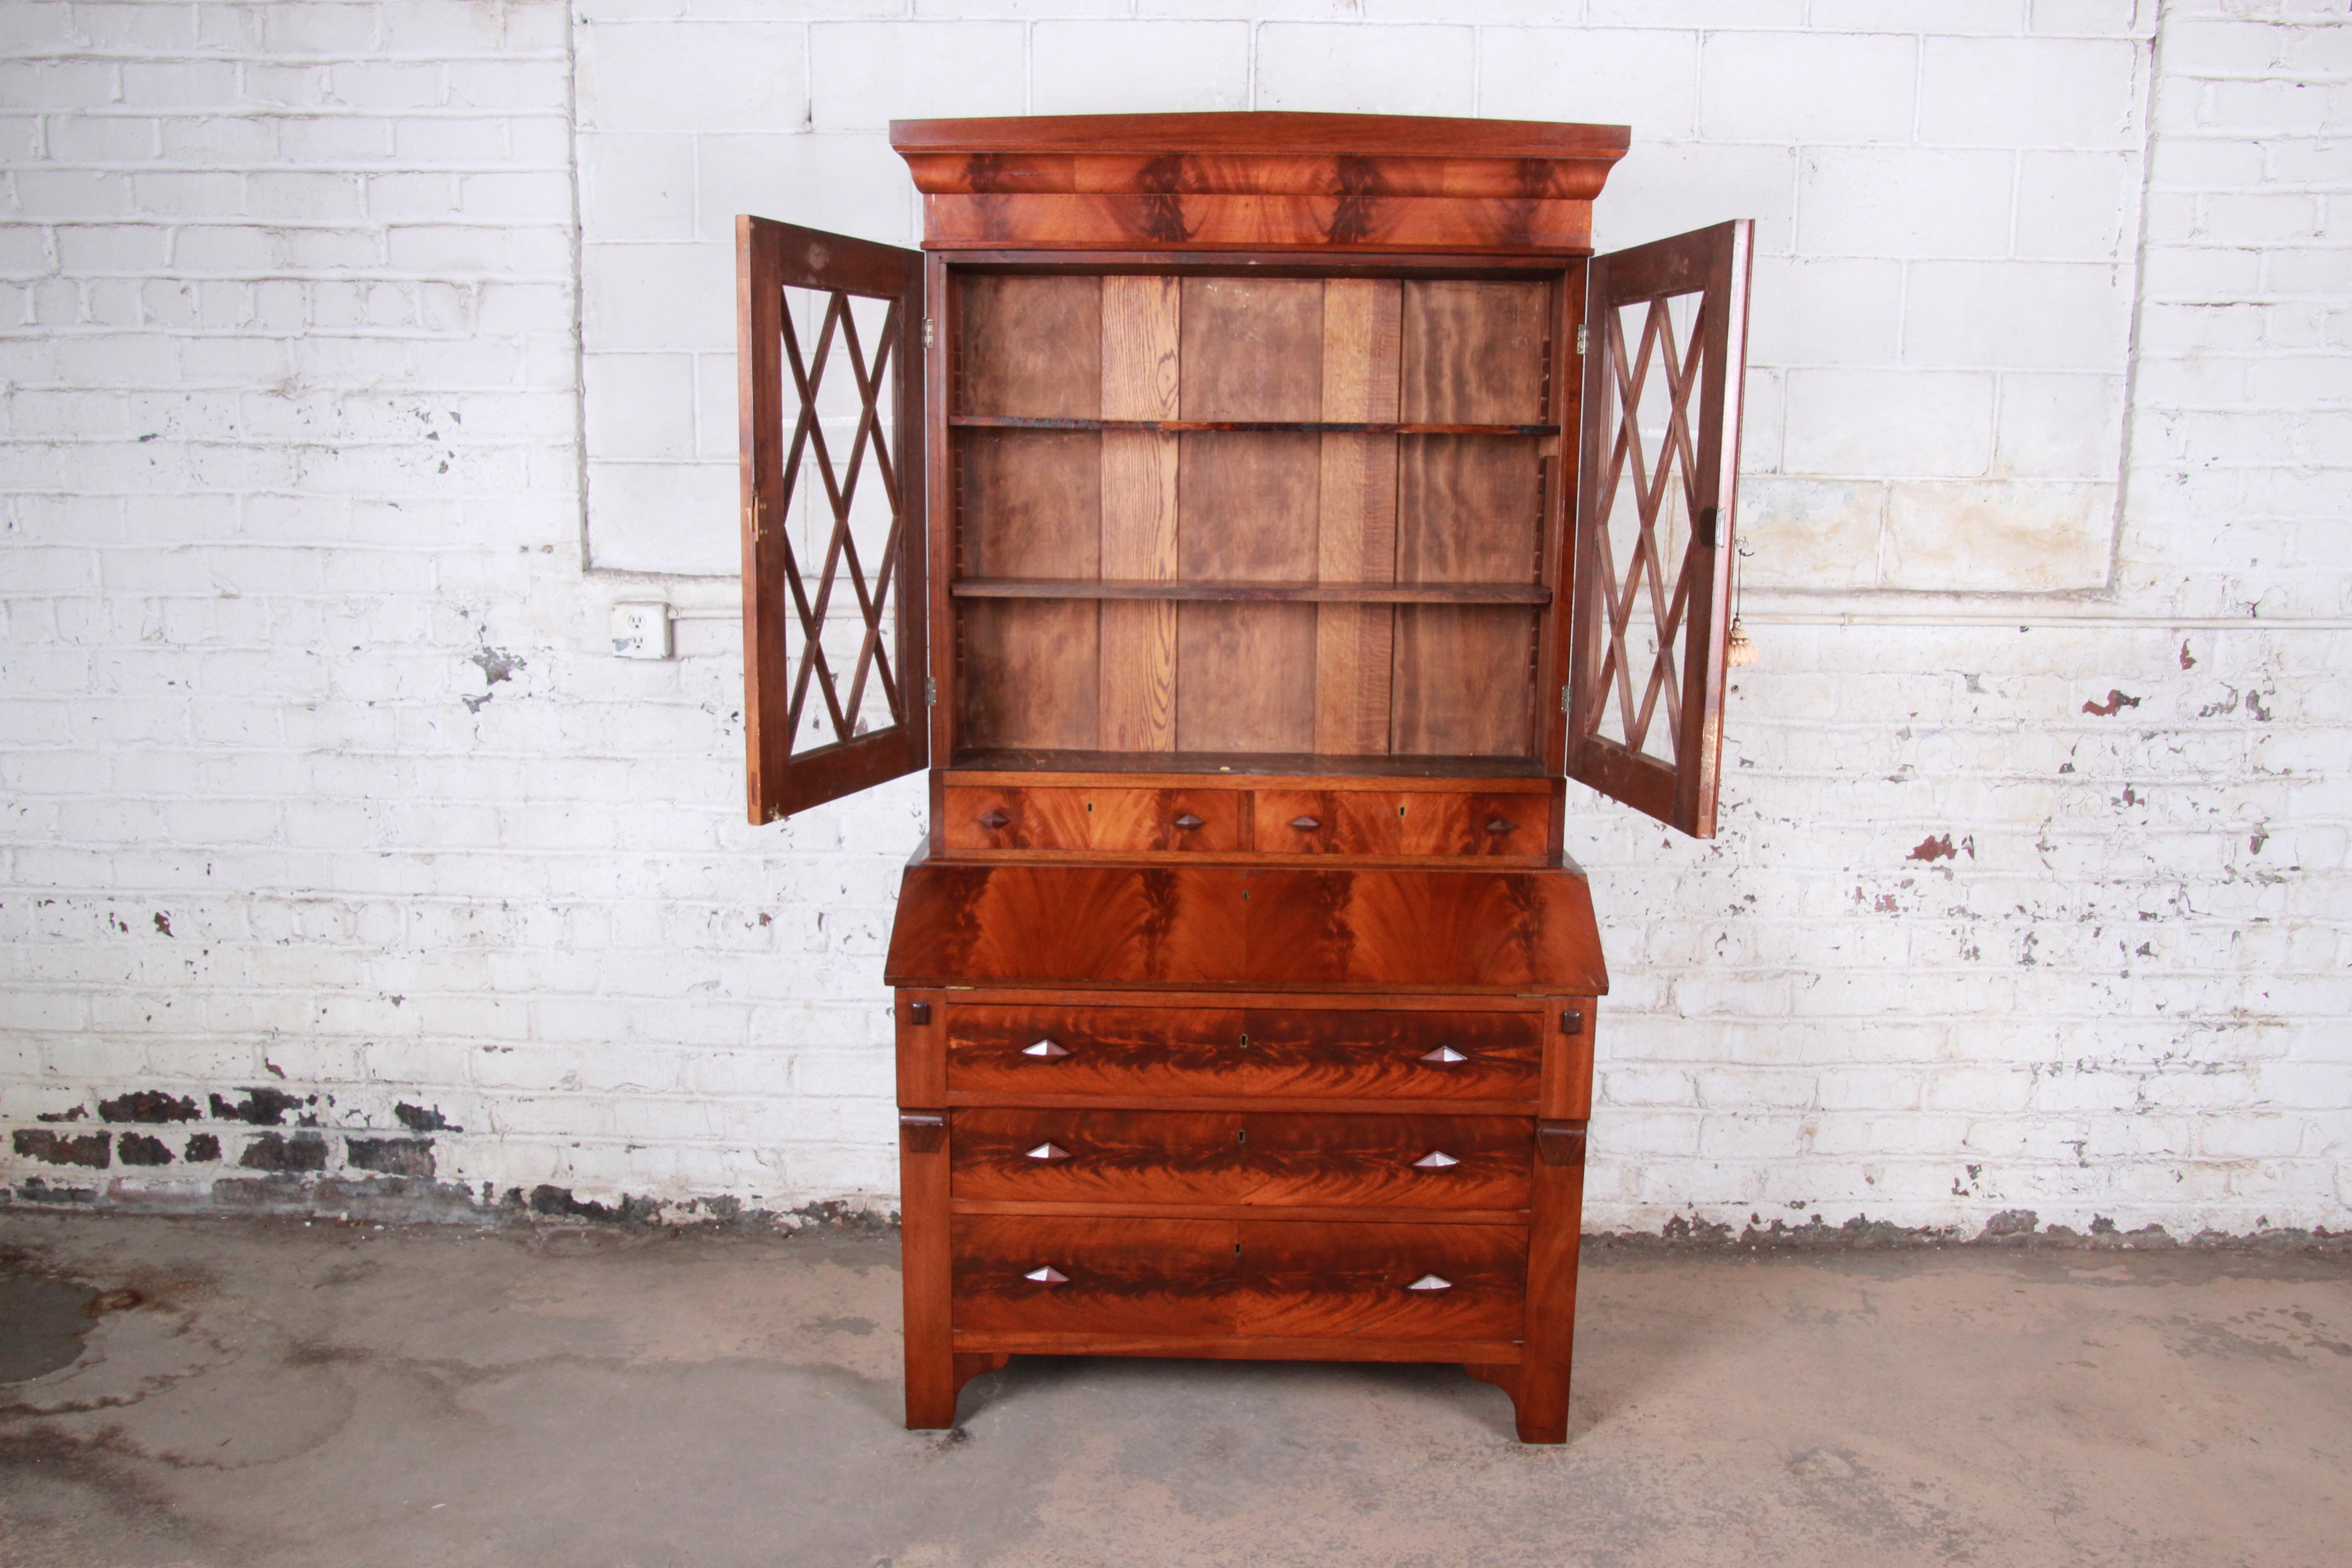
(1645, 80)
(2019, 315)
(1849, 88)
(736, 77)
(1105, 68)
(1896, 422)
(1996, 92)
(866, 74)
(1366, 69)
(2059, 427)
(1996, 538)
(1806, 313)
(2076, 207)
(1904, 202)
(846, 185)
(640, 406)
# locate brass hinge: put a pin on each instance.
(1582, 337)
(930, 691)
(926, 332)
(1563, 699)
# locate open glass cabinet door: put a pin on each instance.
(830, 368)
(1666, 344)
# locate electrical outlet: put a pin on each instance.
(641, 631)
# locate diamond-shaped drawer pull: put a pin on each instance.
(1498, 825)
(1188, 822)
(1044, 1050)
(1055, 1152)
(1436, 1159)
(1445, 1056)
(1426, 1282)
(1305, 823)
(992, 820)
(1049, 1275)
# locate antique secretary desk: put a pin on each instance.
(1251, 521)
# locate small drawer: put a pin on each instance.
(1248, 1278)
(1269, 1159)
(1398, 822)
(1055, 1054)
(1133, 821)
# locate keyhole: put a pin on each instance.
(1244, 1042)
(1399, 811)
(1090, 805)
(1242, 1136)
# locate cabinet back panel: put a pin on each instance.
(1342, 678)
(1031, 346)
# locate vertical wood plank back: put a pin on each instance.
(1356, 525)
(1032, 505)
(1253, 349)
(1136, 688)
(1468, 510)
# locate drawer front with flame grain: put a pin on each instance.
(1408, 1163)
(1250, 1279)
(1046, 1055)
(1107, 820)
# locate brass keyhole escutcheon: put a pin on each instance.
(1244, 1042)
(1242, 1136)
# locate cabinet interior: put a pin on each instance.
(1222, 519)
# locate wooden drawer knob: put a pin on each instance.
(1044, 1050)
(1188, 822)
(1436, 1159)
(1445, 1056)
(1049, 1275)
(1426, 1282)
(992, 820)
(1049, 1152)
(1305, 823)
(1498, 825)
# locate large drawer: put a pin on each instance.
(1247, 1279)
(1134, 1157)
(1046, 1055)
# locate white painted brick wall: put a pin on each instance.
(301, 621)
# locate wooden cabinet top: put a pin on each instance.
(1348, 182)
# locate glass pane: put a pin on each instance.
(843, 504)
(1647, 506)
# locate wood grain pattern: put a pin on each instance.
(1031, 505)
(1466, 930)
(1541, 1391)
(1266, 1159)
(1253, 350)
(1144, 820)
(1396, 822)
(1262, 1278)
(1088, 221)
(1469, 509)
(1292, 1053)
(1140, 318)
(1366, 145)
(1356, 522)
(925, 1269)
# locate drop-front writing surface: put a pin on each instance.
(1263, 517)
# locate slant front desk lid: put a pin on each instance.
(1429, 930)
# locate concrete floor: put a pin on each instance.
(243, 1393)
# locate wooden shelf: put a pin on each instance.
(1301, 426)
(1301, 768)
(1532, 594)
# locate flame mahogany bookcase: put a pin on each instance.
(1250, 522)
